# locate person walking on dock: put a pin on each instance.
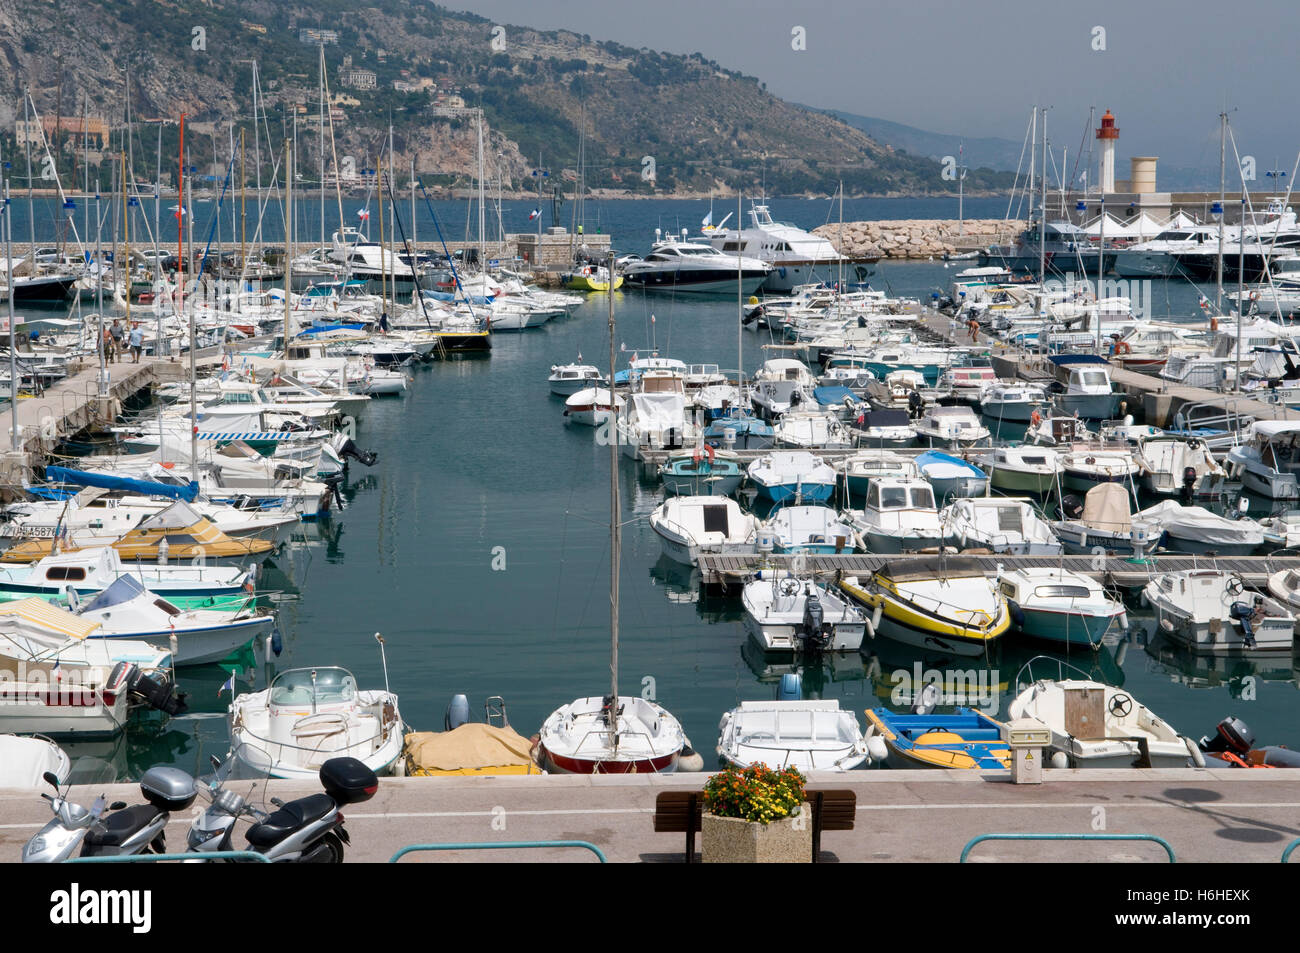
(137, 342)
(106, 345)
(116, 331)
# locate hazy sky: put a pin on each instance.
(975, 69)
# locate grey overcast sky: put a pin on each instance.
(975, 69)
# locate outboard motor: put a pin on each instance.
(1231, 734)
(915, 404)
(1243, 612)
(1189, 484)
(335, 483)
(927, 700)
(1072, 506)
(457, 713)
(157, 691)
(791, 688)
(815, 633)
(349, 450)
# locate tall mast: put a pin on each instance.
(320, 142)
(615, 531)
(288, 240)
(31, 207)
(126, 238)
(243, 218)
(1223, 155)
(383, 268)
(740, 304)
(482, 195)
(180, 282)
(1033, 155)
(1042, 211)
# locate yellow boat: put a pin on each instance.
(591, 278)
(965, 738)
(468, 749)
(188, 536)
(945, 604)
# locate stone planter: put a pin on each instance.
(731, 840)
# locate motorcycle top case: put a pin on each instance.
(168, 789)
(348, 781)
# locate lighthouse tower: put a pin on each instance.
(1107, 135)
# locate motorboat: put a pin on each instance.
(703, 471)
(964, 738)
(1088, 391)
(88, 571)
(859, 468)
(685, 267)
(24, 762)
(951, 428)
(938, 603)
(1095, 725)
(1103, 522)
(1012, 401)
(1083, 466)
(806, 430)
(899, 516)
(567, 379)
(805, 735)
(688, 526)
(1268, 460)
(797, 257)
(781, 385)
(951, 477)
(1172, 466)
(1022, 469)
(810, 529)
(787, 614)
(1210, 612)
(1056, 431)
(967, 383)
(127, 610)
(310, 715)
(882, 428)
(739, 432)
(792, 475)
(1194, 529)
(591, 407)
(999, 524)
(1058, 605)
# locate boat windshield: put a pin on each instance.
(1061, 592)
(922, 498)
(321, 686)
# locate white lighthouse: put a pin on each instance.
(1108, 134)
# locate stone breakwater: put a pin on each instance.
(917, 237)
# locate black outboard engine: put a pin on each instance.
(350, 450)
(1072, 506)
(335, 483)
(156, 691)
(814, 631)
(1231, 734)
(1243, 612)
(915, 404)
(1189, 484)
(928, 699)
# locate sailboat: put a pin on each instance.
(608, 734)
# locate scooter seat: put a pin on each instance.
(292, 817)
(115, 829)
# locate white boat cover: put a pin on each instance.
(1196, 522)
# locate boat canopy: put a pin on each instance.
(1270, 429)
(922, 568)
(39, 612)
(834, 394)
(1067, 360)
(105, 481)
(1106, 508)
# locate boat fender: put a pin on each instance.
(457, 713)
(1123, 621)
(876, 615)
(1166, 624)
(1060, 759)
(1198, 757)
(277, 643)
(1017, 615)
(877, 748)
(791, 687)
(689, 759)
(927, 700)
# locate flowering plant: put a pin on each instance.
(756, 793)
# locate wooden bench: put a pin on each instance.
(679, 812)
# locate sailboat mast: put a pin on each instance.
(383, 269)
(740, 299)
(1042, 212)
(615, 533)
(288, 240)
(482, 196)
(1223, 155)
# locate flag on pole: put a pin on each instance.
(227, 686)
(708, 220)
(534, 214)
(363, 214)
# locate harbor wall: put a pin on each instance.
(917, 238)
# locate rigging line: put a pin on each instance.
(412, 260)
(450, 261)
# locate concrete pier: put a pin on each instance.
(1207, 815)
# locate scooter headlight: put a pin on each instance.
(34, 846)
(197, 838)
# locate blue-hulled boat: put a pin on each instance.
(701, 472)
(745, 432)
(966, 738)
(810, 529)
(792, 474)
(951, 476)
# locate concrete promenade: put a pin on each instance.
(1207, 815)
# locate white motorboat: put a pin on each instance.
(1102, 523)
(1050, 431)
(810, 430)
(1088, 391)
(567, 379)
(1060, 606)
(1268, 460)
(690, 525)
(859, 468)
(1094, 725)
(25, 761)
(1000, 524)
(785, 614)
(796, 256)
(810, 529)
(807, 735)
(1084, 466)
(1194, 529)
(899, 516)
(1023, 469)
(883, 428)
(686, 267)
(87, 571)
(310, 715)
(782, 385)
(1209, 611)
(792, 475)
(1171, 466)
(1013, 401)
(591, 407)
(951, 428)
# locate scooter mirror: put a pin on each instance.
(51, 779)
(216, 762)
(117, 806)
(277, 802)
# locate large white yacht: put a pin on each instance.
(797, 257)
(367, 260)
(1158, 258)
(695, 268)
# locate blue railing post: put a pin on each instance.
(501, 845)
(965, 852)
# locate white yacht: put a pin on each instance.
(1158, 258)
(796, 256)
(689, 267)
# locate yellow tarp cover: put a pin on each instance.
(42, 613)
(467, 749)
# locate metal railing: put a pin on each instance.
(500, 845)
(970, 845)
(1286, 854)
(244, 855)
